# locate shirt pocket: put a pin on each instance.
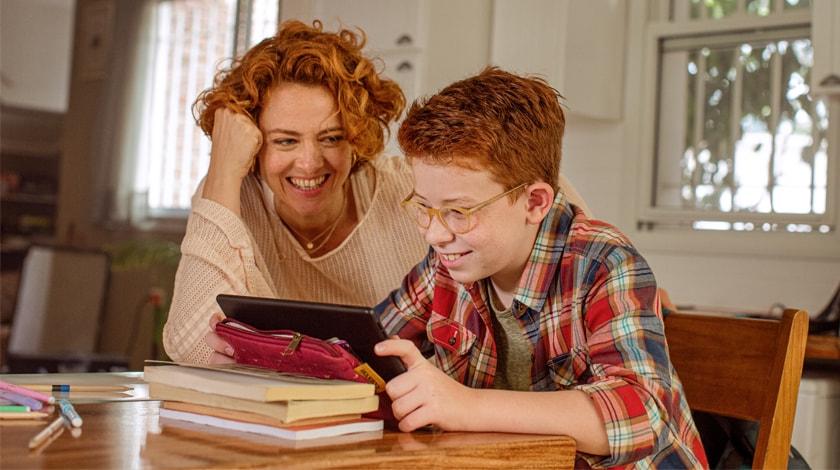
(568, 369)
(448, 336)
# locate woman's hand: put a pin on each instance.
(236, 143)
(424, 394)
(223, 352)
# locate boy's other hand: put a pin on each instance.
(223, 352)
(423, 394)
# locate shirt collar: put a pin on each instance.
(544, 261)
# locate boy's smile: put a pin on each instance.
(499, 243)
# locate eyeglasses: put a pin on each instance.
(457, 220)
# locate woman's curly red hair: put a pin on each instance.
(305, 54)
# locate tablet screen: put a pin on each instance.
(356, 325)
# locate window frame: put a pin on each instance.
(654, 25)
(140, 215)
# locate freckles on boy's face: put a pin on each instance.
(492, 246)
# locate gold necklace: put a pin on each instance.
(309, 243)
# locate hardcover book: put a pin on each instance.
(300, 432)
(246, 417)
(282, 411)
(251, 383)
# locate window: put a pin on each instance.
(737, 141)
(166, 154)
(192, 38)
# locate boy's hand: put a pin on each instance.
(223, 352)
(423, 394)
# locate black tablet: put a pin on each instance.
(356, 325)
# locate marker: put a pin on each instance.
(26, 392)
(69, 413)
(13, 397)
(65, 388)
(14, 409)
(45, 433)
(20, 415)
(65, 407)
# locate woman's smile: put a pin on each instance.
(308, 184)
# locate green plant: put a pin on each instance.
(159, 259)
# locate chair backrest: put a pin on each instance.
(60, 302)
(744, 368)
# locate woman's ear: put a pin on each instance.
(540, 197)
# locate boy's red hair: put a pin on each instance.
(509, 125)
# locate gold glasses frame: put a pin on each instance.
(409, 204)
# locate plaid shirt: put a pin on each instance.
(587, 302)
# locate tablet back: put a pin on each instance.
(356, 325)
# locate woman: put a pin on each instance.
(294, 205)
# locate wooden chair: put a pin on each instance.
(743, 368)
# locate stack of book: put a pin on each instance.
(254, 400)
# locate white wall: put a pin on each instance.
(36, 38)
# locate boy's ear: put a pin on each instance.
(539, 196)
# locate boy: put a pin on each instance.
(520, 293)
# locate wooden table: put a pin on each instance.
(823, 347)
(130, 434)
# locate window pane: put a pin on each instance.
(758, 7)
(799, 133)
(712, 9)
(754, 148)
(797, 4)
(738, 130)
(192, 37)
(264, 16)
(193, 40)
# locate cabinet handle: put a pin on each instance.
(404, 40)
(405, 66)
(831, 80)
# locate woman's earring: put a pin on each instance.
(355, 159)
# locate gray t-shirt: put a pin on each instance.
(513, 369)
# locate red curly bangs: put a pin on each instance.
(306, 54)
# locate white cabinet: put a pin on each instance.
(36, 41)
(578, 46)
(825, 34)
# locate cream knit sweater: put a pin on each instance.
(256, 255)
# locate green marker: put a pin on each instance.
(14, 409)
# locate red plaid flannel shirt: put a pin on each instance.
(587, 302)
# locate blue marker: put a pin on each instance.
(69, 413)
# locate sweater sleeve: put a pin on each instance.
(217, 256)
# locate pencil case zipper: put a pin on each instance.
(295, 340)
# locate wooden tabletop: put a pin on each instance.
(823, 347)
(130, 434)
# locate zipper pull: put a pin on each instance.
(293, 344)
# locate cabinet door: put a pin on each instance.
(36, 42)
(388, 24)
(402, 67)
(825, 33)
(578, 46)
